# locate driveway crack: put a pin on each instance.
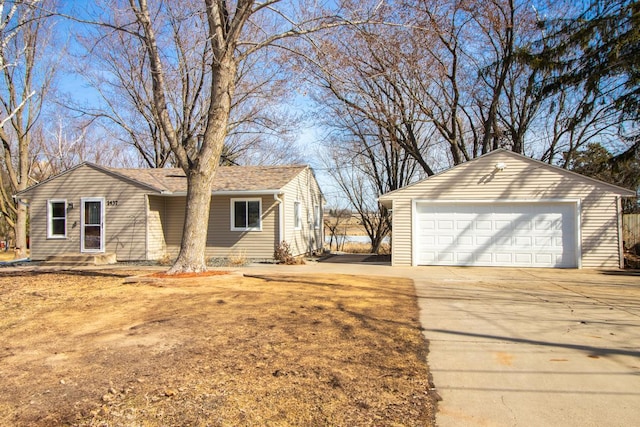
(513, 415)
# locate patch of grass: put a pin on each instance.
(364, 248)
(10, 255)
(89, 350)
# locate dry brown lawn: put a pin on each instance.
(89, 349)
(8, 255)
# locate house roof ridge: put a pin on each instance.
(130, 173)
(228, 178)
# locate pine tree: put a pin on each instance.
(599, 50)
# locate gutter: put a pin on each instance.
(247, 192)
(228, 193)
(280, 203)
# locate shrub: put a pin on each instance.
(165, 259)
(282, 253)
(238, 259)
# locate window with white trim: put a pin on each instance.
(56, 219)
(297, 215)
(246, 214)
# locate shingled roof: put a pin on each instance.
(227, 179)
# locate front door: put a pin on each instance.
(92, 231)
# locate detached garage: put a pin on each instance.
(507, 210)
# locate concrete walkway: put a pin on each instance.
(522, 347)
(525, 347)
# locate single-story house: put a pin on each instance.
(505, 209)
(138, 214)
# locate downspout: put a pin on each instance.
(620, 235)
(146, 227)
(23, 202)
(281, 236)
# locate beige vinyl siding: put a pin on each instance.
(124, 222)
(156, 245)
(221, 241)
(401, 243)
(520, 180)
(174, 213)
(304, 189)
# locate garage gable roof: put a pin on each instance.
(501, 156)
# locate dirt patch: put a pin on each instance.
(189, 275)
(87, 349)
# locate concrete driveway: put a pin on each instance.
(531, 347)
(524, 347)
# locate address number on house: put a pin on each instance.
(112, 203)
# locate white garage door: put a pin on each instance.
(496, 234)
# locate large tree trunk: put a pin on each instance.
(191, 258)
(20, 230)
(200, 175)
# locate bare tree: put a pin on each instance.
(333, 221)
(234, 34)
(62, 142)
(365, 164)
(365, 83)
(437, 74)
(455, 75)
(362, 196)
(26, 80)
(569, 128)
(118, 68)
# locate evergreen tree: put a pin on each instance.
(598, 50)
(597, 162)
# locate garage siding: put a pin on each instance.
(401, 243)
(521, 179)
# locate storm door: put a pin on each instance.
(92, 231)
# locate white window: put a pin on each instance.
(297, 215)
(57, 219)
(317, 217)
(246, 214)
